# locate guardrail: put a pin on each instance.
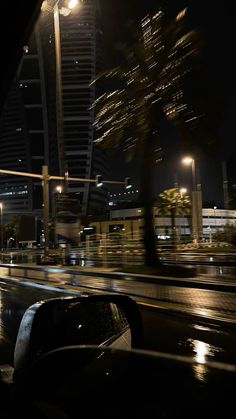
(89, 257)
(43, 273)
(25, 271)
(111, 257)
(28, 268)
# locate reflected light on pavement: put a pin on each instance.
(201, 351)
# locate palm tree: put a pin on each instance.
(12, 228)
(139, 94)
(173, 202)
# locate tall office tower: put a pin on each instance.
(80, 62)
(23, 134)
(15, 193)
(28, 127)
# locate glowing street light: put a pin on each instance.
(196, 200)
(189, 161)
(215, 216)
(59, 188)
(182, 192)
(72, 4)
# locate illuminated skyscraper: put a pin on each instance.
(28, 127)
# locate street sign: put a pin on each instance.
(67, 217)
(67, 202)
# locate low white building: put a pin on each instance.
(131, 221)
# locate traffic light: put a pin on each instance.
(99, 181)
(128, 183)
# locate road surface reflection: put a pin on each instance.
(163, 332)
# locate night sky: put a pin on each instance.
(216, 22)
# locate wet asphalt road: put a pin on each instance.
(165, 331)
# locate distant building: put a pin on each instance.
(131, 221)
(119, 197)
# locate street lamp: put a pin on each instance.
(65, 11)
(210, 235)
(182, 192)
(189, 161)
(59, 97)
(1, 208)
(72, 4)
(58, 190)
(215, 216)
(196, 200)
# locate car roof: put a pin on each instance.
(19, 19)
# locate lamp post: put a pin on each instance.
(58, 190)
(210, 235)
(1, 208)
(196, 201)
(182, 192)
(189, 161)
(215, 216)
(57, 11)
(59, 103)
(59, 98)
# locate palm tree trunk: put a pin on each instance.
(146, 195)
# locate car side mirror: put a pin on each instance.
(108, 320)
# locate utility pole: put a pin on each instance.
(45, 178)
(196, 199)
(59, 100)
(225, 185)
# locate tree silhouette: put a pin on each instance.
(173, 202)
(12, 228)
(146, 88)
